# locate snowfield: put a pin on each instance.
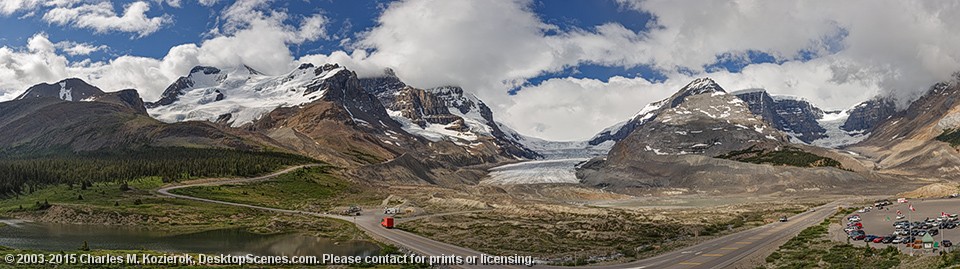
(244, 94)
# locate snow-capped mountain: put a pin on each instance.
(701, 140)
(701, 118)
(71, 89)
(864, 117)
(610, 135)
(72, 114)
(804, 122)
(239, 96)
(794, 116)
(443, 113)
(316, 108)
(808, 124)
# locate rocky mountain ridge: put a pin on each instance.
(703, 139)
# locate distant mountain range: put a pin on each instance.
(326, 112)
(705, 139)
(802, 121)
(398, 132)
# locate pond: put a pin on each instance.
(21, 234)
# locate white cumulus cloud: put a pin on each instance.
(102, 18)
(79, 49)
(834, 53)
(261, 41)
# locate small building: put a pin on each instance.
(927, 241)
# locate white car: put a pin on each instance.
(901, 217)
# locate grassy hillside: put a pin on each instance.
(138, 205)
(312, 189)
(786, 156)
(25, 174)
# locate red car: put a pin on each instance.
(878, 240)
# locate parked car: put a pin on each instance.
(899, 240)
(933, 232)
(907, 240)
(869, 238)
(878, 240)
(783, 219)
(858, 236)
(887, 239)
(946, 243)
(850, 229)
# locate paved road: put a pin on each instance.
(725, 251)
(369, 221)
(716, 253)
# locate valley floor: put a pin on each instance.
(559, 223)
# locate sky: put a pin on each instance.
(558, 70)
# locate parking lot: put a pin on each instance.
(880, 221)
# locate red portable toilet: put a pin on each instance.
(387, 222)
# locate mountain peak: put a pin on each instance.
(305, 66)
(207, 70)
(702, 85)
(389, 72)
(697, 86)
(71, 89)
(251, 70)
